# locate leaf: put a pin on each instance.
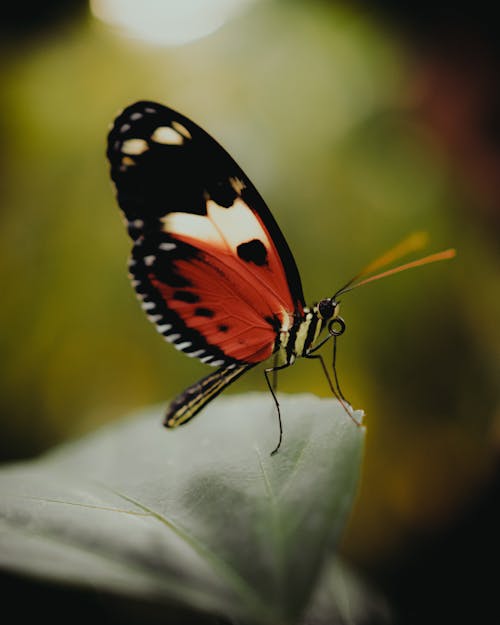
(200, 516)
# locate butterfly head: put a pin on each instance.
(328, 312)
(327, 309)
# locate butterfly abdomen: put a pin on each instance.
(194, 398)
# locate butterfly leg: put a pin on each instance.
(275, 373)
(334, 368)
(272, 386)
(335, 388)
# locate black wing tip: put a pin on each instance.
(144, 107)
(134, 117)
(139, 105)
(124, 115)
(126, 124)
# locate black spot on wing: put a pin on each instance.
(169, 275)
(253, 251)
(223, 327)
(222, 193)
(186, 296)
(204, 312)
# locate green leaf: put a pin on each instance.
(200, 516)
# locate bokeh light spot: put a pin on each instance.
(167, 22)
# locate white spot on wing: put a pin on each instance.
(149, 260)
(238, 223)
(155, 318)
(167, 247)
(217, 363)
(125, 127)
(164, 328)
(225, 228)
(196, 354)
(134, 146)
(148, 305)
(167, 136)
(126, 162)
(183, 345)
(237, 184)
(182, 129)
(135, 116)
(190, 225)
(172, 337)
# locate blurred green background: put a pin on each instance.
(357, 131)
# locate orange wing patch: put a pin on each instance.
(237, 234)
(238, 297)
(226, 304)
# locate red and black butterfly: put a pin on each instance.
(209, 262)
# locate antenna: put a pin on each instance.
(412, 243)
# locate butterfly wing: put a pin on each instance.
(209, 262)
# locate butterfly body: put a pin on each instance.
(209, 263)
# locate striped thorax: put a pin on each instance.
(305, 330)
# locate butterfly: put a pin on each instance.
(210, 264)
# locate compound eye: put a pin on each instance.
(326, 308)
